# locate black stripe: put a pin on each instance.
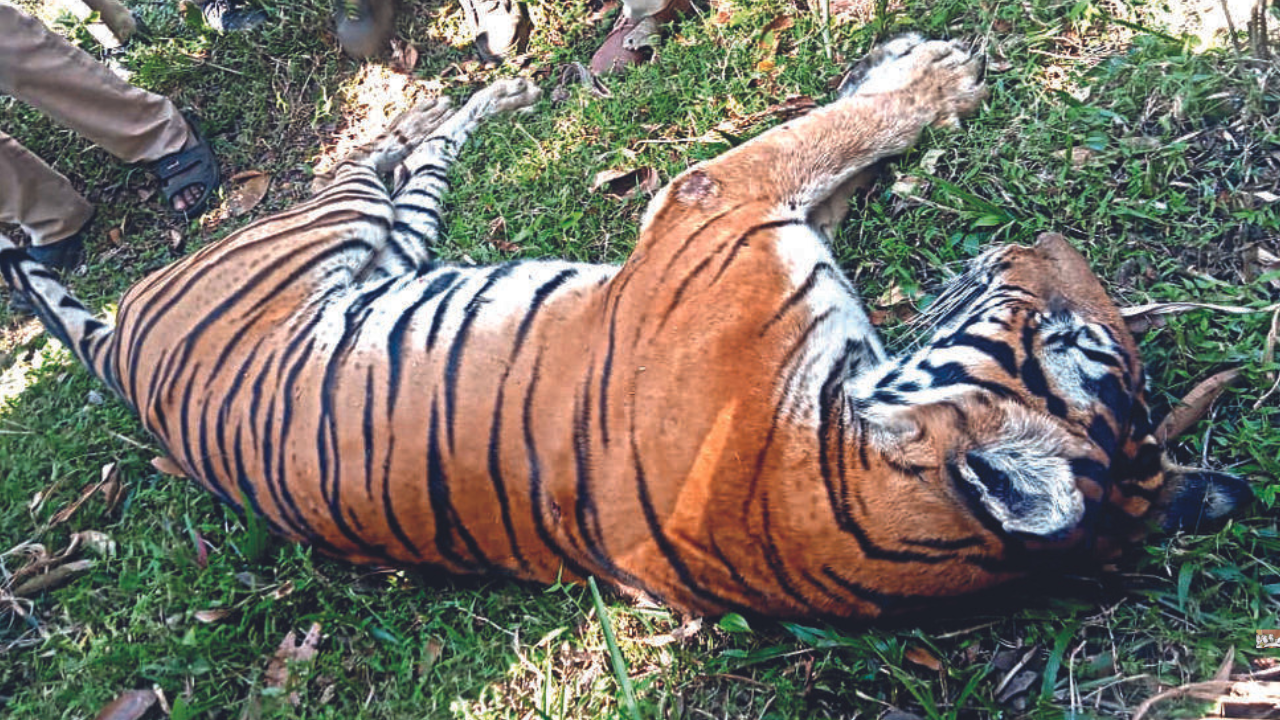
(453, 365)
(745, 238)
(798, 295)
(537, 494)
(446, 516)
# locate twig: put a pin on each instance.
(1210, 686)
(1231, 28)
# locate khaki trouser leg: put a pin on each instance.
(42, 69)
(37, 197)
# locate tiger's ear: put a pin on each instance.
(1026, 486)
(1199, 500)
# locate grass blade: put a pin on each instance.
(615, 655)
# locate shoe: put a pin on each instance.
(616, 53)
(364, 27)
(180, 170)
(62, 255)
(500, 26)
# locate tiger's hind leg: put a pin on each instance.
(421, 180)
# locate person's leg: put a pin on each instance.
(44, 70)
(37, 197)
(501, 27)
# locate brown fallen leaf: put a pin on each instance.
(250, 188)
(168, 466)
(770, 36)
(621, 184)
(291, 652)
(211, 616)
(404, 56)
(130, 705)
(922, 657)
(575, 73)
(109, 474)
(56, 577)
(1194, 406)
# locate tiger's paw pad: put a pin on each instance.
(509, 94)
(941, 75)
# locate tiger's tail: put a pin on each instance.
(62, 314)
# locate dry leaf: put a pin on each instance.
(687, 629)
(109, 475)
(923, 658)
(1141, 318)
(283, 591)
(605, 8)
(250, 188)
(431, 654)
(575, 73)
(99, 543)
(907, 186)
(1259, 261)
(167, 466)
(202, 549)
(404, 56)
(1020, 684)
(622, 184)
(131, 705)
(1080, 156)
(291, 652)
(1194, 406)
(56, 577)
(114, 235)
(211, 616)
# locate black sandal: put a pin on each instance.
(185, 168)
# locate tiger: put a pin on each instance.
(714, 425)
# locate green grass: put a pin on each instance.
(1175, 141)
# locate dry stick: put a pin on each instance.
(1199, 690)
(1194, 405)
(1231, 28)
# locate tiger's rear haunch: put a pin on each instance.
(715, 423)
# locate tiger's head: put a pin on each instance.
(1027, 401)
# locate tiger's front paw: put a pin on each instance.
(941, 77)
(510, 94)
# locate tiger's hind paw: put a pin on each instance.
(942, 76)
(506, 95)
